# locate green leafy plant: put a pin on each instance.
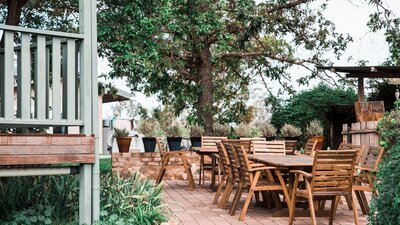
(267, 129)
(121, 132)
(174, 131)
(289, 130)
(314, 128)
(149, 127)
(221, 130)
(38, 214)
(196, 131)
(385, 206)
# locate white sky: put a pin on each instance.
(349, 16)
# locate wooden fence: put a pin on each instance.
(361, 133)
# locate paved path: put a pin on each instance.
(195, 207)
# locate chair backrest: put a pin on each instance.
(359, 148)
(211, 141)
(246, 144)
(251, 139)
(233, 161)
(291, 146)
(333, 171)
(372, 158)
(309, 148)
(223, 158)
(320, 142)
(269, 147)
(244, 164)
(161, 147)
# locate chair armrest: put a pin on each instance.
(305, 174)
(257, 164)
(365, 169)
(215, 156)
(263, 168)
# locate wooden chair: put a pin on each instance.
(320, 142)
(309, 148)
(331, 177)
(269, 147)
(226, 170)
(365, 176)
(209, 142)
(359, 148)
(250, 179)
(291, 146)
(165, 159)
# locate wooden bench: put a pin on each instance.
(31, 149)
(209, 142)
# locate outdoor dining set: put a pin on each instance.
(278, 178)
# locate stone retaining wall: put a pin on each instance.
(149, 165)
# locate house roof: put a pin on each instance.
(365, 71)
(121, 96)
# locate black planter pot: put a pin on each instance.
(292, 138)
(195, 141)
(174, 143)
(149, 144)
(268, 138)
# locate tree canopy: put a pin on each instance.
(202, 55)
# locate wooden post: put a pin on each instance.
(360, 89)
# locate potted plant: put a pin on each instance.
(268, 131)
(195, 135)
(174, 137)
(315, 131)
(220, 130)
(246, 130)
(148, 128)
(290, 132)
(123, 141)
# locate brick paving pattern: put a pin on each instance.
(195, 207)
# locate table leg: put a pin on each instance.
(213, 165)
(201, 168)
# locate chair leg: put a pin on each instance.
(353, 204)
(333, 210)
(162, 170)
(311, 204)
(188, 171)
(366, 203)
(219, 191)
(292, 208)
(361, 202)
(348, 201)
(226, 195)
(236, 199)
(249, 196)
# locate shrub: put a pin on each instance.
(245, 130)
(149, 127)
(289, 130)
(174, 131)
(314, 128)
(121, 132)
(196, 131)
(220, 130)
(267, 129)
(385, 206)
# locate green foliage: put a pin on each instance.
(314, 128)
(221, 130)
(105, 165)
(202, 55)
(289, 130)
(149, 127)
(312, 104)
(121, 132)
(196, 131)
(267, 129)
(37, 214)
(385, 206)
(131, 200)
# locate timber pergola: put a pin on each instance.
(65, 94)
(362, 72)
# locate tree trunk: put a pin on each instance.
(14, 9)
(205, 99)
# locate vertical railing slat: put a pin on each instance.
(40, 82)
(47, 90)
(69, 88)
(56, 75)
(24, 78)
(8, 79)
(1, 83)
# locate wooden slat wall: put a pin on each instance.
(46, 149)
(362, 133)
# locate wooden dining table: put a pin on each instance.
(205, 151)
(287, 163)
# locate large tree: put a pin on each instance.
(202, 54)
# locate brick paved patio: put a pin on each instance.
(195, 207)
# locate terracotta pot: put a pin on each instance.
(124, 144)
(320, 141)
(292, 138)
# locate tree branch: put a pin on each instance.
(286, 6)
